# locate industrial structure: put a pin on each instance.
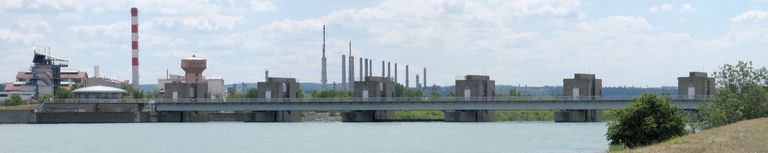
(135, 46)
(696, 84)
(194, 86)
(473, 86)
(581, 86)
(99, 92)
(371, 87)
(278, 88)
(98, 80)
(324, 73)
(351, 68)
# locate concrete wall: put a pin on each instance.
(587, 83)
(275, 87)
(91, 107)
(479, 86)
(470, 116)
(702, 84)
(201, 90)
(376, 87)
(88, 117)
(17, 116)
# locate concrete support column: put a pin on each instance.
(470, 116)
(367, 116)
(591, 115)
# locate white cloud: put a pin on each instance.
(667, 7)
(34, 25)
(113, 30)
(42, 6)
(11, 37)
(752, 16)
(262, 6)
(684, 8)
(207, 22)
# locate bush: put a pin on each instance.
(649, 119)
(742, 95)
(14, 100)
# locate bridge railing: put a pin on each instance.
(378, 99)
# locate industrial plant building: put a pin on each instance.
(193, 86)
(696, 84)
(581, 86)
(480, 86)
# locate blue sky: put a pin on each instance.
(528, 42)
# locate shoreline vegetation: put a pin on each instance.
(743, 136)
(501, 115)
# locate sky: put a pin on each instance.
(516, 42)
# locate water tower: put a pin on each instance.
(194, 67)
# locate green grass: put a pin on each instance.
(501, 115)
(616, 148)
(419, 115)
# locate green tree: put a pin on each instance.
(649, 119)
(513, 92)
(63, 93)
(44, 98)
(14, 100)
(252, 93)
(741, 95)
(331, 94)
(133, 93)
(402, 91)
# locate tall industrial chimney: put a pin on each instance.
(366, 67)
(96, 71)
(406, 77)
(370, 67)
(344, 72)
(324, 77)
(389, 70)
(266, 76)
(135, 46)
(425, 78)
(351, 67)
(361, 70)
(382, 69)
(418, 86)
(396, 73)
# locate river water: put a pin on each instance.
(332, 137)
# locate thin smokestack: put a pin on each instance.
(425, 77)
(370, 67)
(361, 70)
(406, 77)
(324, 77)
(389, 70)
(366, 67)
(382, 69)
(418, 85)
(344, 72)
(396, 73)
(351, 67)
(135, 46)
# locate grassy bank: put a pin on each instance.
(19, 107)
(743, 136)
(503, 115)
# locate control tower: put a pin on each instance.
(194, 85)
(193, 68)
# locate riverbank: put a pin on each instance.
(743, 136)
(501, 115)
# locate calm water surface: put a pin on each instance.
(305, 137)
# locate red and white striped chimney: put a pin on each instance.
(135, 46)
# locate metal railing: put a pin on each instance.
(383, 99)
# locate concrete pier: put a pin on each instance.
(579, 116)
(470, 116)
(275, 116)
(367, 116)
